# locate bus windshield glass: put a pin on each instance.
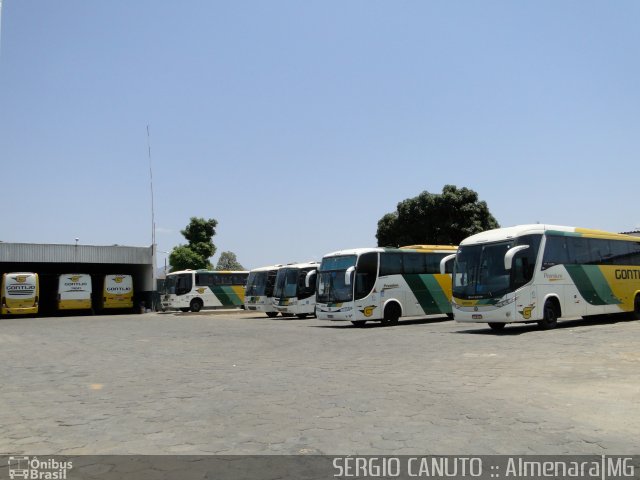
(178, 284)
(286, 283)
(257, 283)
(479, 270)
(331, 279)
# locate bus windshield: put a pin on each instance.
(479, 270)
(257, 283)
(331, 279)
(178, 284)
(286, 283)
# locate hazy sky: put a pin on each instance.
(299, 124)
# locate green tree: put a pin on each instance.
(228, 261)
(437, 219)
(199, 250)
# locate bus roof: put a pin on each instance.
(431, 248)
(267, 268)
(418, 248)
(507, 233)
(203, 270)
(301, 265)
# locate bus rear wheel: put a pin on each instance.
(301, 315)
(550, 316)
(636, 308)
(196, 305)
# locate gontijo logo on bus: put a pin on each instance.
(74, 281)
(201, 290)
(526, 311)
(368, 311)
(116, 289)
(20, 288)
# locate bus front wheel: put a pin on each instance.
(497, 326)
(359, 323)
(272, 314)
(196, 305)
(391, 314)
(550, 316)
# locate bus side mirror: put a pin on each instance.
(508, 257)
(443, 262)
(347, 275)
(307, 279)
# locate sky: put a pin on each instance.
(298, 125)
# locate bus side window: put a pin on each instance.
(448, 266)
(634, 254)
(620, 252)
(555, 252)
(413, 262)
(239, 279)
(390, 263)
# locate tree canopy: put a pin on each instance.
(435, 219)
(228, 261)
(196, 254)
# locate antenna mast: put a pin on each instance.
(153, 219)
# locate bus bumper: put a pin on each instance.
(336, 314)
(505, 313)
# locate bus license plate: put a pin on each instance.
(329, 316)
(476, 316)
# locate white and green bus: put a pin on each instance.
(193, 290)
(295, 289)
(385, 284)
(258, 294)
(540, 273)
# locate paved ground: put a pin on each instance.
(246, 384)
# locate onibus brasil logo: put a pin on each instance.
(33, 468)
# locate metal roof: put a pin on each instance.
(51, 253)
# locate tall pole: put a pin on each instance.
(0, 26)
(153, 221)
(153, 225)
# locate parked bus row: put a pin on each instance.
(353, 285)
(21, 293)
(528, 273)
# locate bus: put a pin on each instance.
(193, 290)
(74, 291)
(20, 294)
(540, 273)
(117, 292)
(295, 289)
(385, 284)
(258, 295)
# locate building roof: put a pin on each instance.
(60, 253)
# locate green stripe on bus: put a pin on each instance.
(592, 284)
(226, 295)
(428, 292)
